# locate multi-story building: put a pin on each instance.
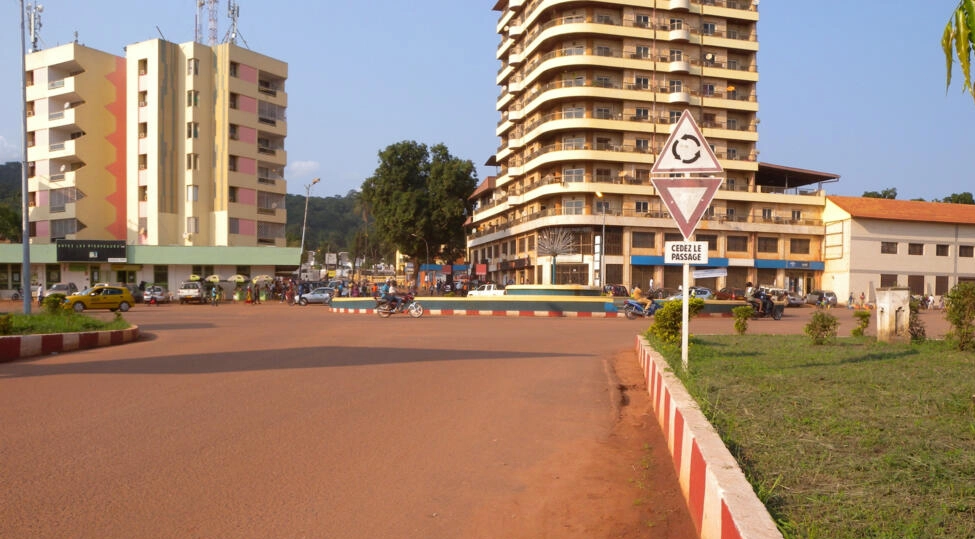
(175, 151)
(589, 94)
(871, 243)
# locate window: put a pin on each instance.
(61, 228)
(233, 68)
(233, 225)
(641, 82)
(193, 66)
(602, 207)
(916, 249)
(143, 66)
(708, 29)
(573, 143)
(604, 175)
(768, 245)
(737, 244)
(799, 246)
(573, 112)
(269, 202)
(572, 207)
(603, 81)
(232, 163)
(676, 24)
(729, 213)
(143, 98)
(888, 280)
(767, 214)
(192, 225)
(603, 113)
(643, 240)
(233, 101)
(192, 161)
(674, 116)
(707, 89)
(888, 248)
(732, 153)
(234, 132)
(797, 215)
(192, 98)
(192, 193)
(192, 130)
(642, 51)
(603, 50)
(732, 124)
(671, 236)
(965, 251)
(642, 21)
(232, 194)
(573, 175)
(643, 145)
(712, 240)
(941, 250)
(676, 55)
(641, 206)
(61, 197)
(641, 114)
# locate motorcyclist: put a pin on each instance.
(752, 297)
(390, 295)
(638, 296)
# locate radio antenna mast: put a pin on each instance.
(233, 13)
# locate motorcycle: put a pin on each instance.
(633, 309)
(773, 310)
(407, 304)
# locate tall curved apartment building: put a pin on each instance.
(590, 91)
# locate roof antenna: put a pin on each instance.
(233, 13)
(34, 20)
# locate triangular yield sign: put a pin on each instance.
(687, 199)
(686, 150)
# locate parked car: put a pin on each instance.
(616, 290)
(793, 300)
(699, 292)
(191, 291)
(817, 297)
(62, 288)
(322, 294)
(137, 293)
(730, 293)
(113, 298)
(157, 294)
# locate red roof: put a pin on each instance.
(905, 210)
(486, 185)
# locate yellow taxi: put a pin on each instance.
(113, 298)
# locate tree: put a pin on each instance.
(959, 40)
(959, 198)
(554, 242)
(889, 194)
(418, 198)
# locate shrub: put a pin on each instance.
(914, 324)
(668, 320)
(863, 320)
(822, 327)
(52, 303)
(742, 315)
(6, 323)
(960, 313)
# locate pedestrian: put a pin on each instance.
(863, 300)
(650, 288)
(849, 303)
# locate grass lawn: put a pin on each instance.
(62, 322)
(847, 440)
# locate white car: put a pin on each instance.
(322, 294)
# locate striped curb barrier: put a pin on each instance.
(720, 499)
(22, 346)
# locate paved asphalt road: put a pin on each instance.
(276, 421)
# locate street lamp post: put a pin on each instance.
(602, 246)
(304, 225)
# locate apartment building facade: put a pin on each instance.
(589, 94)
(177, 150)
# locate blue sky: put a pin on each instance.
(851, 88)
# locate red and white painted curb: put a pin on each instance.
(721, 501)
(22, 346)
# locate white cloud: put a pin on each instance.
(302, 170)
